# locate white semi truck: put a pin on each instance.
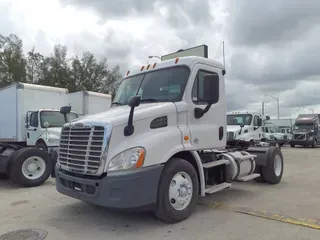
(246, 126)
(162, 144)
(31, 122)
(87, 102)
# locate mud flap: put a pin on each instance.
(54, 157)
(262, 154)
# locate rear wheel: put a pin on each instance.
(30, 167)
(177, 192)
(292, 145)
(273, 171)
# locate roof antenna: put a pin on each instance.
(224, 60)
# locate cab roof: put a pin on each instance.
(180, 61)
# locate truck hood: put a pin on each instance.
(119, 115)
(235, 128)
(55, 131)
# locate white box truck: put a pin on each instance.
(161, 144)
(31, 121)
(87, 102)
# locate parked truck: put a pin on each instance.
(306, 131)
(246, 126)
(272, 134)
(30, 126)
(161, 144)
(86, 102)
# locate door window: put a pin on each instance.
(197, 90)
(34, 119)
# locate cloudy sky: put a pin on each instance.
(272, 47)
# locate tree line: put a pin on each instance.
(85, 72)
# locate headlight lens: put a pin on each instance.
(131, 158)
(54, 140)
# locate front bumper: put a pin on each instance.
(127, 190)
(302, 142)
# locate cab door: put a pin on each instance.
(208, 131)
(33, 131)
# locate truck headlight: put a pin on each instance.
(54, 140)
(131, 158)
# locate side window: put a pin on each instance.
(197, 90)
(255, 121)
(34, 119)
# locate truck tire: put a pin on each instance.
(261, 178)
(42, 146)
(273, 171)
(292, 145)
(314, 143)
(30, 167)
(178, 176)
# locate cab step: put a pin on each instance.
(216, 188)
(248, 177)
(215, 163)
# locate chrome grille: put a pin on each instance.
(80, 148)
(299, 136)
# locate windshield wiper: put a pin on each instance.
(148, 100)
(117, 103)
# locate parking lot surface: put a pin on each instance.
(251, 211)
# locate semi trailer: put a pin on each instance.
(87, 102)
(162, 144)
(30, 126)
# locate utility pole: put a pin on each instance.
(278, 106)
(262, 108)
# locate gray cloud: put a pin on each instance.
(252, 22)
(178, 11)
(272, 47)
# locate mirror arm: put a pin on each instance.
(129, 129)
(199, 112)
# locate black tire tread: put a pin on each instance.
(15, 173)
(164, 210)
(268, 171)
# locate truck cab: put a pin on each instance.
(43, 127)
(273, 134)
(245, 126)
(305, 131)
(161, 144)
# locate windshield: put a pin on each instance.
(55, 118)
(238, 119)
(303, 127)
(165, 85)
(274, 130)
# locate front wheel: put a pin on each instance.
(177, 191)
(314, 143)
(30, 167)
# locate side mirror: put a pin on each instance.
(65, 110)
(241, 125)
(46, 124)
(134, 101)
(210, 89)
(259, 122)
